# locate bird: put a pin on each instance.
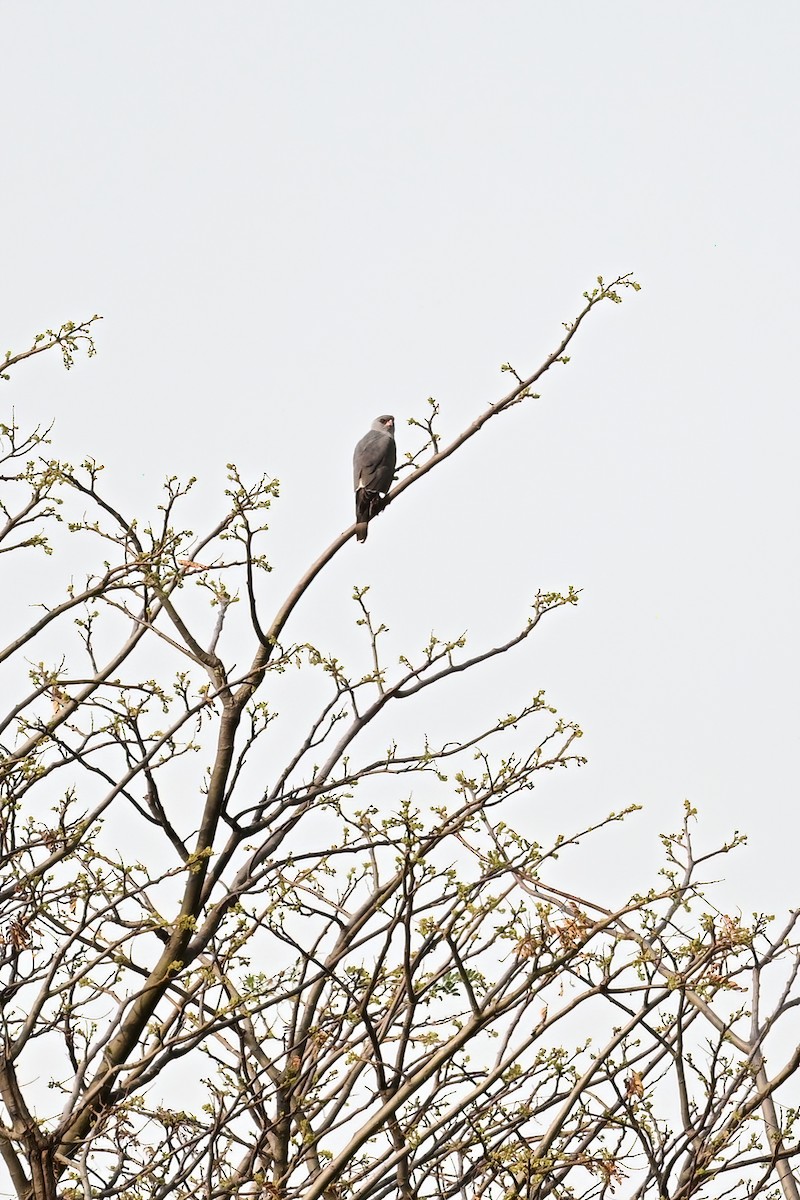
(374, 460)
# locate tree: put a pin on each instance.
(303, 983)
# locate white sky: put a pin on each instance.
(294, 217)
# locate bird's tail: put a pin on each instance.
(364, 511)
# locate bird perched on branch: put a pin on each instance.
(374, 459)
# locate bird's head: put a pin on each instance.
(384, 424)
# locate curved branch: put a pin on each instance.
(518, 393)
(67, 337)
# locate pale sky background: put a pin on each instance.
(294, 217)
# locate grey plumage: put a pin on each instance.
(374, 460)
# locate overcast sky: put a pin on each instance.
(293, 217)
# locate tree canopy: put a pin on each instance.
(243, 956)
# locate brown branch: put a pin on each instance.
(67, 337)
(514, 396)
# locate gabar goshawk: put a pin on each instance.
(374, 460)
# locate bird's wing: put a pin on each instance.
(374, 461)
